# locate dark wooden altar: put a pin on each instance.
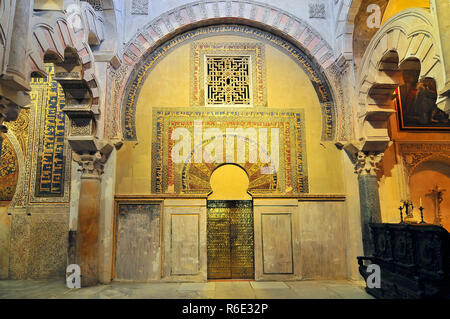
(414, 260)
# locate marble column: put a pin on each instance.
(366, 167)
(91, 167)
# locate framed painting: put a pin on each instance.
(417, 108)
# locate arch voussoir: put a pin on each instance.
(205, 13)
(65, 39)
(410, 35)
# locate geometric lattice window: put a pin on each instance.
(228, 80)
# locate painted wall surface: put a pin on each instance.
(48, 4)
(420, 183)
(389, 188)
(288, 87)
(229, 182)
(424, 179)
(395, 6)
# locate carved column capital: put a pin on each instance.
(92, 164)
(367, 163)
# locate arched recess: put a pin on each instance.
(407, 35)
(431, 172)
(18, 136)
(164, 29)
(229, 182)
(257, 183)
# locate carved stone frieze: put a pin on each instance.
(139, 7)
(317, 10)
(414, 154)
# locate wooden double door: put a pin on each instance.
(230, 239)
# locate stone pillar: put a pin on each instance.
(14, 69)
(91, 167)
(366, 167)
(17, 65)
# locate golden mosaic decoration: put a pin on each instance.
(191, 177)
(9, 170)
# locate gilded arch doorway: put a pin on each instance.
(230, 239)
(230, 233)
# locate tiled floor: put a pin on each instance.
(217, 289)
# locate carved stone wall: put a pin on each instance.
(96, 4)
(38, 245)
(39, 209)
(317, 10)
(139, 7)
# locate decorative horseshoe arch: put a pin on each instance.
(408, 34)
(65, 41)
(55, 38)
(347, 11)
(166, 29)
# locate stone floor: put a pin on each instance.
(19, 289)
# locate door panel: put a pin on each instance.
(185, 244)
(277, 245)
(219, 250)
(138, 242)
(230, 240)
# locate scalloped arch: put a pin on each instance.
(52, 32)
